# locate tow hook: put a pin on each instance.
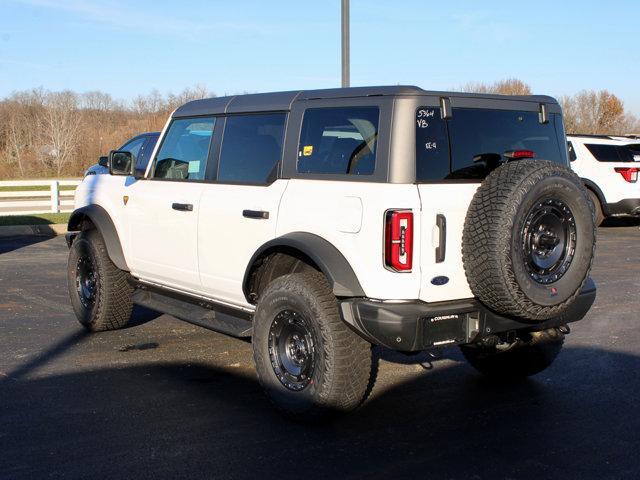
(432, 355)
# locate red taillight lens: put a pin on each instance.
(398, 241)
(630, 174)
(515, 154)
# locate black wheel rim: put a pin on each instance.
(292, 349)
(548, 240)
(86, 281)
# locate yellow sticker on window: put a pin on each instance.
(307, 150)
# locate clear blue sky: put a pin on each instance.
(131, 47)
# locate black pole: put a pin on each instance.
(345, 43)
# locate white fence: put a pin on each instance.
(26, 202)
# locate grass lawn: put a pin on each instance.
(36, 219)
(35, 188)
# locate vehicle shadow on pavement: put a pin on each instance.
(9, 244)
(178, 420)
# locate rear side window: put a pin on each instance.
(184, 150)
(251, 148)
(614, 153)
(480, 138)
(339, 141)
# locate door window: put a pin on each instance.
(339, 141)
(184, 150)
(251, 148)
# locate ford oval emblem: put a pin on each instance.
(440, 280)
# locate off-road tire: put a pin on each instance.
(494, 250)
(342, 377)
(527, 356)
(597, 208)
(111, 306)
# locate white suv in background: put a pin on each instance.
(608, 166)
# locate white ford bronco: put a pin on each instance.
(320, 223)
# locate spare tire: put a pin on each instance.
(528, 239)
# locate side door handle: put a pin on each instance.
(255, 214)
(183, 207)
(441, 250)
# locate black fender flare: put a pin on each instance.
(325, 255)
(102, 221)
(595, 189)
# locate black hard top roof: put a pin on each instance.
(281, 101)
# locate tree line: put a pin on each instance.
(59, 134)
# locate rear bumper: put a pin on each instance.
(628, 206)
(414, 326)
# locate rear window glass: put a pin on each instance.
(432, 145)
(480, 138)
(339, 141)
(614, 153)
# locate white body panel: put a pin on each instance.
(452, 201)
(227, 240)
(614, 188)
(162, 243)
(207, 250)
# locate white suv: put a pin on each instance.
(320, 223)
(608, 166)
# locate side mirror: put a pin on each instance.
(121, 163)
(103, 161)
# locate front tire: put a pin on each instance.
(530, 354)
(308, 361)
(597, 208)
(100, 292)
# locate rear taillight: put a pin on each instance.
(630, 174)
(398, 240)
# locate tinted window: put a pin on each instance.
(572, 153)
(184, 150)
(479, 139)
(614, 153)
(134, 146)
(339, 141)
(251, 148)
(432, 145)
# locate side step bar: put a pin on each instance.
(207, 316)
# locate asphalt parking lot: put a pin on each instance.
(165, 399)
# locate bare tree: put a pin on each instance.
(17, 138)
(59, 124)
(509, 86)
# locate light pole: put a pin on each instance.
(345, 43)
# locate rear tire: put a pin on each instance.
(308, 361)
(100, 292)
(531, 354)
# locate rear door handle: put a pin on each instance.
(183, 207)
(255, 214)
